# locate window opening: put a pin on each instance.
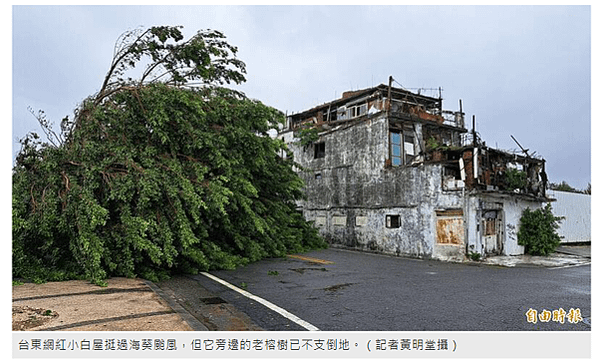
(393, 221)
(319, 150)
(452, 170)
(395, 149)
(332, 115)
(357, 110)
(342, 113)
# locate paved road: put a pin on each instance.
(357, 291)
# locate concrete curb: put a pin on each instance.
(570, 252)
(195, 324)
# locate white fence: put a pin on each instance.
(576, 208)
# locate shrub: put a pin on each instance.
(475, 256)
(537, 231)
(515, 179)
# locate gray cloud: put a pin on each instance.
(522, 71)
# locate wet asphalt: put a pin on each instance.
(356, 291)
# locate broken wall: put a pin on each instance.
(358, 202)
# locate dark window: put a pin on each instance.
(452, 170)
(318, 175)
(319, 150)
(393, 221)
(332, 116)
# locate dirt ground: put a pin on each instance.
(124, 305)
(177, 304)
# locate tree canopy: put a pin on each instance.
(168, 172)
(564, 186)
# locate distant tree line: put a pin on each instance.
(563, 186)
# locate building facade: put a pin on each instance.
(390, 171)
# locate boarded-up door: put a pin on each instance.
(449, 227)
(492, 232)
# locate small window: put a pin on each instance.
(318, 175)
(361, 221)
(339, 220)
(319, 150)
(393, 221)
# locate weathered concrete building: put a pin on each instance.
(391, 171)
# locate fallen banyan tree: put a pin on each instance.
(171, 172)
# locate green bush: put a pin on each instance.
(537, 231)
(515, 179)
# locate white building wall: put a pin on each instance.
(512, 209)
(576, 208)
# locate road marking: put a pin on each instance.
(310, 259)
(266, 303)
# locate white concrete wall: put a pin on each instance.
(512, 207)
(513, 210)
(576, 208)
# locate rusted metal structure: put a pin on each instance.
(392, 171)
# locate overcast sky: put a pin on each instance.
(522, 71)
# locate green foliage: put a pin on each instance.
(537, 231)
(308, 136)
(475, 256)
(432, 143)
(515, 179)
(153, 179)
(563, 186)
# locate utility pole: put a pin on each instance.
(440, 98)
(388, 97)
(461, 117)
(475, 140)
